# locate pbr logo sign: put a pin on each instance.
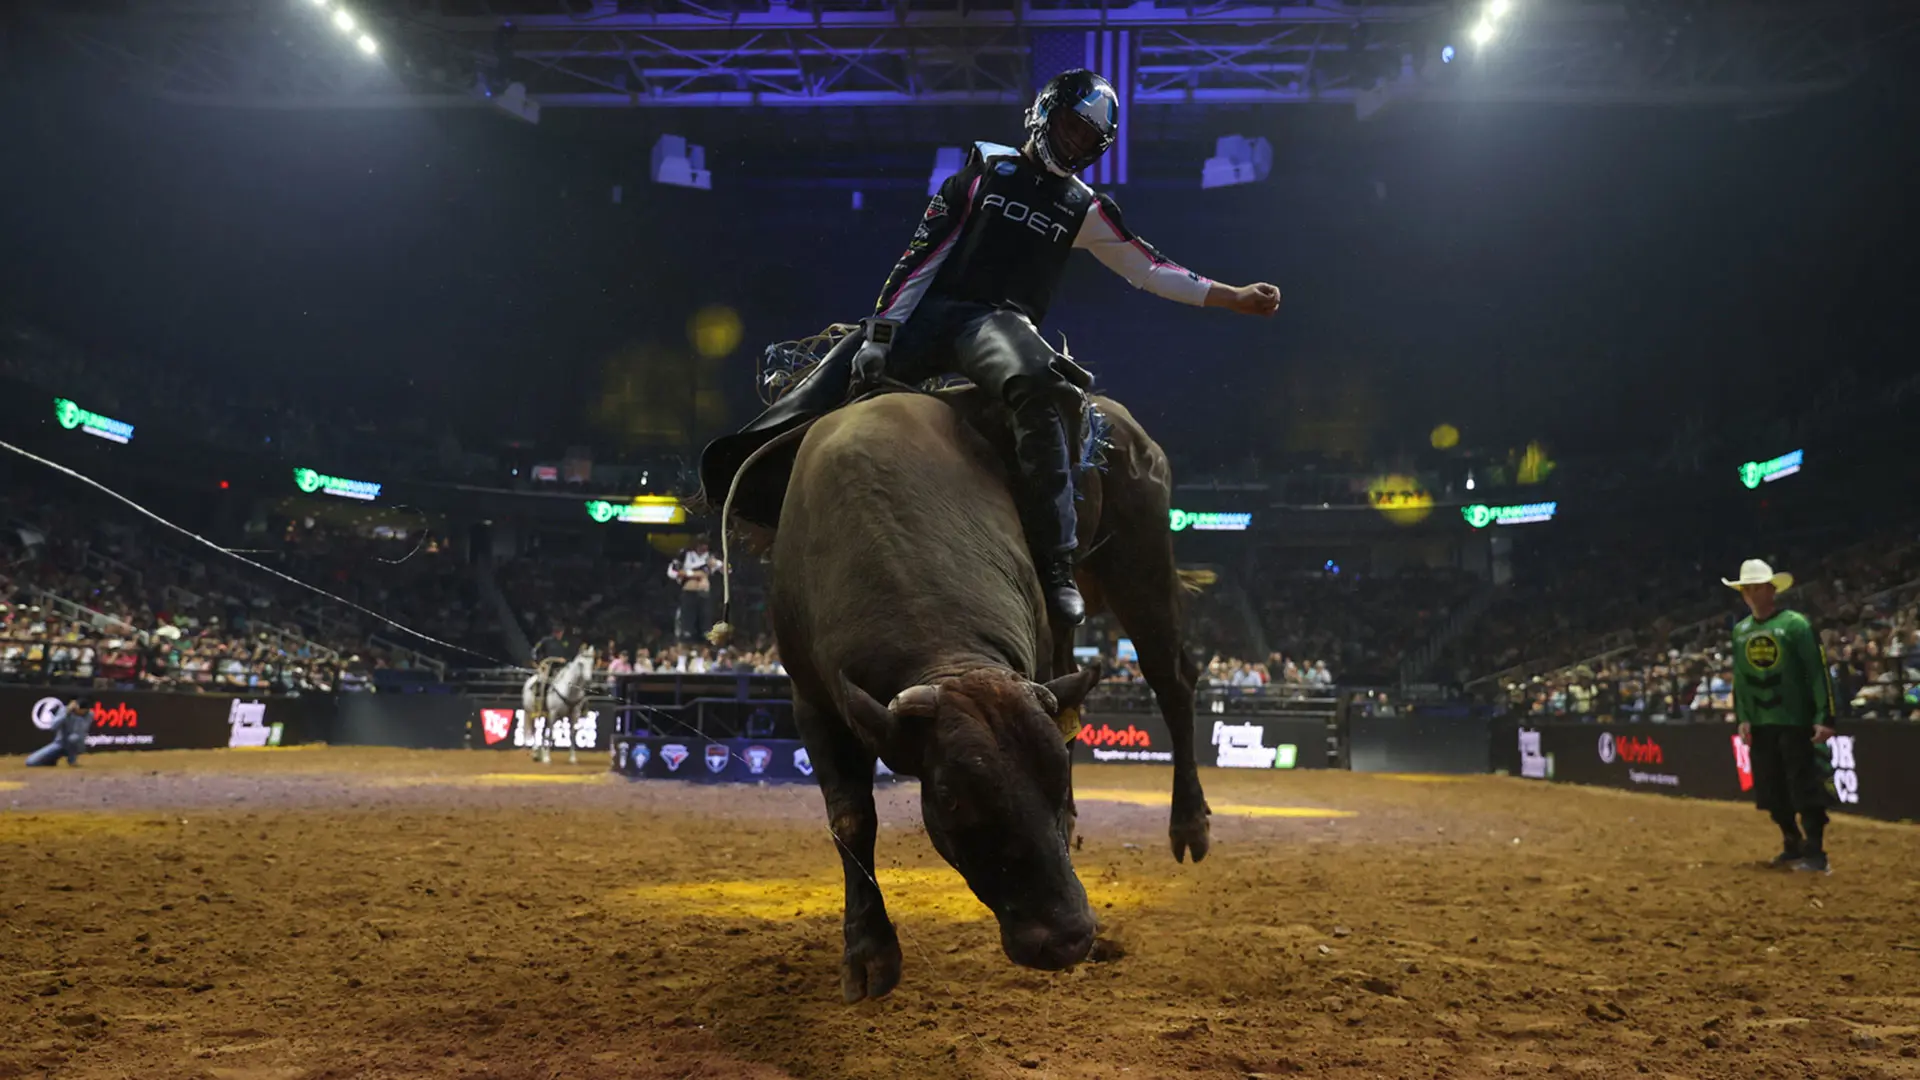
(758, 757)
(717, 757)
(674, 755)
(639, 755)
(1606, 747)
(802, 763)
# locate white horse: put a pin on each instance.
(554, 696)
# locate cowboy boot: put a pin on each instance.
(1045, 501)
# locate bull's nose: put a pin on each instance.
(1048, 947)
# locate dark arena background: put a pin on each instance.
(357, 355)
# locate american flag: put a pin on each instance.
(1106, 52)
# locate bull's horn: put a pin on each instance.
(922, 700)
(1064, 351)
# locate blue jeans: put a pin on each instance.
(49, 754)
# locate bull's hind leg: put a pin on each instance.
(1148, 608)
(870, 967)
(1140, 583)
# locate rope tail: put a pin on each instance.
(722, 631)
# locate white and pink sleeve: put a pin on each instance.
(1103, 233)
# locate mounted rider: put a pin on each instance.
(551, 653)
(972, 287)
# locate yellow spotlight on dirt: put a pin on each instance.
(1445, 437)
(714, 331)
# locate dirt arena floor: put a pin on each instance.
(302, 914)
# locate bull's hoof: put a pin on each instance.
(870, 968)
(1191, 835)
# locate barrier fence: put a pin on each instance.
(740, 728)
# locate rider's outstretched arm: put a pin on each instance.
(1103, 233)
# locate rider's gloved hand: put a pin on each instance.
(869, 364)
(871, 361)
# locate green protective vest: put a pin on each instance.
(1780, 672)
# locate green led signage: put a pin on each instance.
(1480, 516)
(1181, 520)
(645, 510)
(311, 482)
(72, 416)
(1755, 473)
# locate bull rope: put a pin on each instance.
(722, 632)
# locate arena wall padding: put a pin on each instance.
(407, 721)
(1456, 742)
(1872, 761)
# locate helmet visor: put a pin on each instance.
(1076, 142)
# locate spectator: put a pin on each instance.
(692, 570)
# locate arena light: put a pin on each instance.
(368, 45)
(309, 481)
(1480, 516)
(1182, 520)
(71, 417)
(344, 20)
(1755, 473)
(1497, 9)
(1483, 33)
(643, 510)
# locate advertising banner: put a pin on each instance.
(503, 728)
(1227, 742)
(1707, 761)
(1140, 738)
(144, 719)
(1263, 742)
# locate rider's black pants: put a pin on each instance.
(1001, 352)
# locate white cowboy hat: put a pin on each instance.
(1757, 572)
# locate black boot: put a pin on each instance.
(1064, 601)
(1045, 500)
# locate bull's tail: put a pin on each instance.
(722, 631)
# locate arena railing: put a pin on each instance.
(1677, 699)
(81, 612)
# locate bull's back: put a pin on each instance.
(898, 539)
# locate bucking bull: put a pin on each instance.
(900, 574)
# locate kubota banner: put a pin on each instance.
(149, 720)
(1871, 761)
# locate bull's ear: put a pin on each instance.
(1062, 698)
(876, 726)
(1071, 690)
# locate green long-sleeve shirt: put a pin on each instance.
(1780, 672)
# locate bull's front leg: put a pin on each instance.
(870, 966)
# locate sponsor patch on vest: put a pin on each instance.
(1763, 651)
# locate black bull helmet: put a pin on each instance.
(991, 751)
